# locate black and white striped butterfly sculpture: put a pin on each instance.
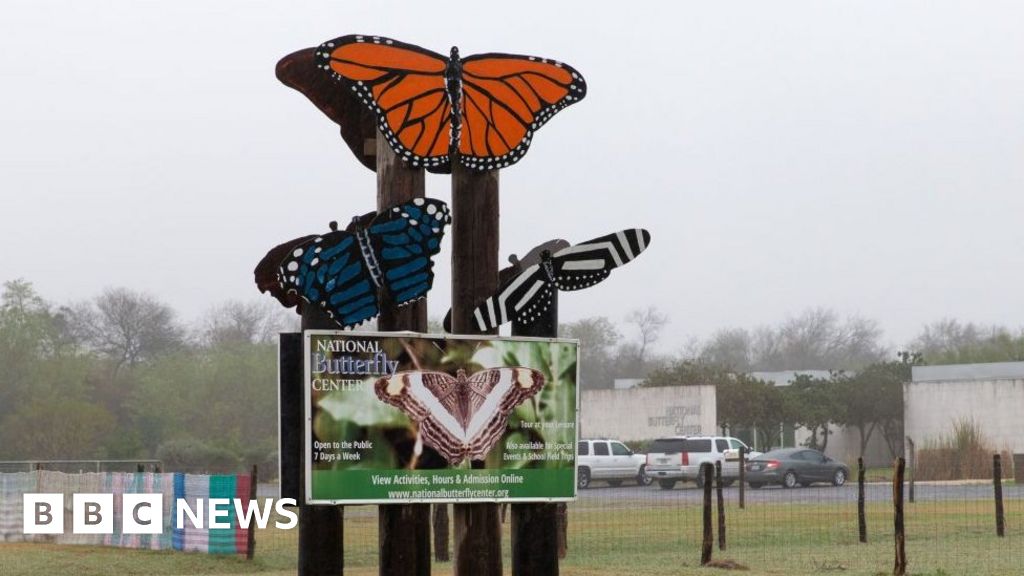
(529, 294)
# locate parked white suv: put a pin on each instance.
(608, 460)
(680, 458)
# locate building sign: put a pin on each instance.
(654, 412)
(401, 417)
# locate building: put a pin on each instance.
(632, 413)
(640, 414)
(990, 395)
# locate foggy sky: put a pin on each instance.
(861, 156)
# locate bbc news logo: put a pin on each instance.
(144, 513)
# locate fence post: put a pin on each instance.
(743, 475)
(862, 525)
(721, 506)
(900, 564)
(913, 467)
(708, 543)
(997, 484)
(250, 548)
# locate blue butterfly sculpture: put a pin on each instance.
(343, 271)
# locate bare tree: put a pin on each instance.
(949, 341)
(649, 322)
(597, 336)
(595, 332)
(817, 339)
(730, 348)
(235, 321)
(127, 326)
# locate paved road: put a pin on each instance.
(687, 493)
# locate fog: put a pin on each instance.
(863, 157)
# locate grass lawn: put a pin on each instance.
(785, 539)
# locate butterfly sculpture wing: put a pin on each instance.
(524, 298)
(341, 271)
(267, 272)
(503, 99)
(587, 263)
(460, 417)
(509, 273)
(329, 271)
(573, 268)
(404, 241)
(404, 85)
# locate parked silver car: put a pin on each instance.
(792, 466)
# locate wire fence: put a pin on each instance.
(950, 529)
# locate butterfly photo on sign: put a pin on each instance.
(461, 417)
(342, 271)
(450, 401)
(482, 110)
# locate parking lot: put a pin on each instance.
(815, 494)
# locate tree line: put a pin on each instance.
(863, 391)
(120, 376)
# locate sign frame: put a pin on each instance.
(307, 416)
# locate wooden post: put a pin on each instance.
(913, 467)
(474, 279)
(291, 420)
(562, 514)
(721, 506)
(250, 547)
(900, 563)
(535, 526)
(441, 553)
(321, 528)
(997, 484)
(708, 542)
(404, 529)
(862, 525)
(743, 475)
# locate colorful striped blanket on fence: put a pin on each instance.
(189, 487)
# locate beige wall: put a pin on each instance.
(996, 405)
(844, 445)
(646, 413)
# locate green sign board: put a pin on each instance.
(401, 417)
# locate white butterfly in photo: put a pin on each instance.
(461, 417)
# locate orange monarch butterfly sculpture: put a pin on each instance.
(482, 109)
